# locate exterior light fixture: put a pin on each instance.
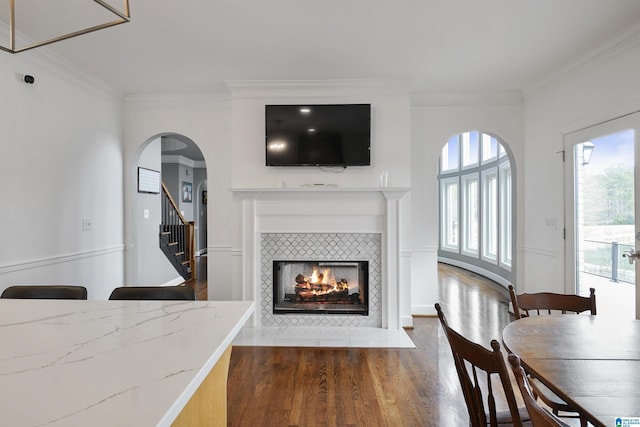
(22, 24)
(587, 151)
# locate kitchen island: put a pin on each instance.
(116, 363)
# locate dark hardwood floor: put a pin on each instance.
(284, 386)
(199, 284)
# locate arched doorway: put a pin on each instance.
(476, 218)
(183, 170)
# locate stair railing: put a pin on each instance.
(177, 237)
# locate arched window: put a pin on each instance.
(476, 205)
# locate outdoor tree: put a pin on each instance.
(610, 195)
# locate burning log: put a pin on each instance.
(322, 287)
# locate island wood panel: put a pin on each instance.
(208, 405)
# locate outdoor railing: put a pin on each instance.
(605, 259)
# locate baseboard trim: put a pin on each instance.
(423, 311)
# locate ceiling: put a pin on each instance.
(175, 145)
(194, 46)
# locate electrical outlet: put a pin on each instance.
(86, 224)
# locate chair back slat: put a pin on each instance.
(493, 416)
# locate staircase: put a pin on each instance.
(177, 237)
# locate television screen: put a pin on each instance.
(318, 135)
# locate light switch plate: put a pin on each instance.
(550, 224)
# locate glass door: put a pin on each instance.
(602, 208)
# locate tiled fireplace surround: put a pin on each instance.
(323, 224)
(319, 247)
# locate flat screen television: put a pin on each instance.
(318, 135)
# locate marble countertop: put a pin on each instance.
(108, 363)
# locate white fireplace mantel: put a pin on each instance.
(325, 209)
(320, 192)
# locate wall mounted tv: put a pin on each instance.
(318, 135)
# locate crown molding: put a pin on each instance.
(427, 99)
(181, 160)
(626, 39)
(191, 101)
(318, 88)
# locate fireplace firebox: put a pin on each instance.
(321, 287)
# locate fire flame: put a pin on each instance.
(325, 278)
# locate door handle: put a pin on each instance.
(631, 255)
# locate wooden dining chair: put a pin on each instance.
(478, 370)
(540, 417)
(142, 293)
(545, 303)
(541, 303)
(45, 292)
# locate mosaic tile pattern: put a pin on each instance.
(321, 246)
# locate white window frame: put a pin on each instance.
(465, 151)
(490, 215)
(445, 208)
(485, 137)
(444, 157)
(470, 229)
(505, 181)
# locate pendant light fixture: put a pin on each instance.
(25, 32)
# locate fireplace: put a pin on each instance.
(321, 287)
(295, 224)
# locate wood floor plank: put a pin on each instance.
(308, 387)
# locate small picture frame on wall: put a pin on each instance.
(204, 197)
(187, 192)
(148, 181)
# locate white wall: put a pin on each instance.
(390, 135)
(435, 119)
(600, 88)
(200, 177)
(61, 163)
(152, 266)
(170, 178)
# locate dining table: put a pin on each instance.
(592, 362)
